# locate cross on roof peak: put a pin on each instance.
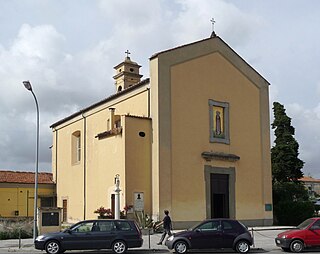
(213, 34)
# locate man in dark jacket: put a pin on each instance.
(167, 226)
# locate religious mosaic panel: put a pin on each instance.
(219, 121)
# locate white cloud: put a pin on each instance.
(306, 123)
(41, 43)
(70, 61)
(232, 24)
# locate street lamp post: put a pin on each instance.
(28, 86)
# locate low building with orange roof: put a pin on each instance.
(312, 184)
(17, 193)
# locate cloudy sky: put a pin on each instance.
(67, 49)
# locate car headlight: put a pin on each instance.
(40, 238)
(284, 236)
(170, 238)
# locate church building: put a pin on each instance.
(194, 139)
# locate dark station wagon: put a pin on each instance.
(118, 235)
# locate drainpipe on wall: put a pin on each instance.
(148, 102)
(56, 167)
(56, 148)
(84, 164)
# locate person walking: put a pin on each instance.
(167, 226)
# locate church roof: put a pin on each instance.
(178, 47)
(224, 45)
(7, 176)
(110, 98)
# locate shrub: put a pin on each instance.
(15, 229)
(143, 220)
(292, 213)
(291, 203)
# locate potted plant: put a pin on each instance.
(104, 213)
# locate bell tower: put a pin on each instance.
(127, 73)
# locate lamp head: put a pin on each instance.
(27, 85)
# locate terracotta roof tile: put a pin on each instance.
(309, 179)
(24, 177)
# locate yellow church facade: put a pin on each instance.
(193, 139)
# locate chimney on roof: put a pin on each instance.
(111, 118)
(127, 73)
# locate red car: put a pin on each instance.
(307, 234)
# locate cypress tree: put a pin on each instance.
(286, 166)
(290, 198)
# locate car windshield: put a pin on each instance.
(206, 225)
(305, 224)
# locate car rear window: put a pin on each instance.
(228, 225)
(232, 225)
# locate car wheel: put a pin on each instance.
(242, 246)
(296, 246)
(285, 249)
(119, 247)
(180, 247)
(52, 247)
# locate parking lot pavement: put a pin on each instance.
(264, 239)
(263, 242)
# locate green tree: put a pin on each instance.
(291, 203)
(286, 166)
(290, 198)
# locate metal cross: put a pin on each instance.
(212, 21)
(128, 53)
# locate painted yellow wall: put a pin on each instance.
(20, 197)
(69, 176)
(182, 82)
(105, 159)
(93, 181)
(154, 77)
(190, 93)
(138, 160)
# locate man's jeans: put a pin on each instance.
(166, 231)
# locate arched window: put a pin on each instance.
(76, 147)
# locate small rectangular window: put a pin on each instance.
(64, 210)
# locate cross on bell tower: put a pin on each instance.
(128, 53)
(127, 73)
